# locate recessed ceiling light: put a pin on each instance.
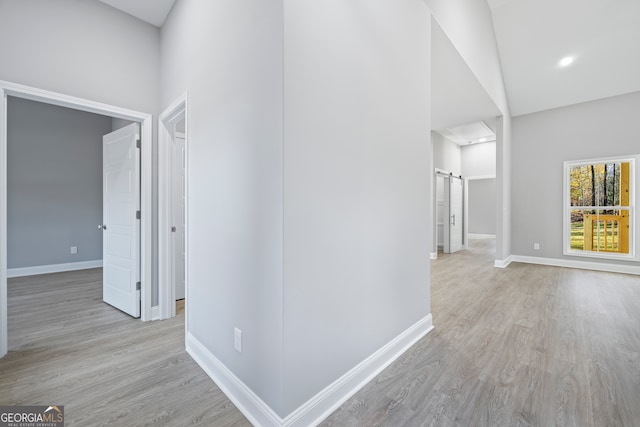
(482, 140)
(566, 61)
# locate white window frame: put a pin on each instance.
(633, 254)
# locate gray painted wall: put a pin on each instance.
(54, 186)
(119, 123)
(482, 206)
(542, 142)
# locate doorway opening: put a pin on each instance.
(450, 213)
(8, 89)
(173, 166)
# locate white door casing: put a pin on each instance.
(178, 162)
(121, 219)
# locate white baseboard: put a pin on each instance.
(54, 268)
(316, 409)
(319, 407)
(503, 263)
(433, 255)
(257, 412)
(584, 265)
(481, 236)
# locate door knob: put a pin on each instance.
(102, 227)
(173, 229)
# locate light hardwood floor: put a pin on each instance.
(524, 346)
(527, 345)
(66, 347)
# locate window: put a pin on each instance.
(599, 216)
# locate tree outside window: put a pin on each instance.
(599, 204)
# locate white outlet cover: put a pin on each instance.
(74, 249)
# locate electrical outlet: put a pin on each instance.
(536, 246)
(74, 249)
(237, 340)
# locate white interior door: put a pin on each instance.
(178, 163)
(455, 214)
(121, 223)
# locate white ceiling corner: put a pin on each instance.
(153, 12)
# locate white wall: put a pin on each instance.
(357, 183)
(542, 142)
(228, 55)
(447, 155)
(469, 26)
(478, 159)
(81, 48)
(309, 230)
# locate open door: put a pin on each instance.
(454, 207)
(178, 163)
(121, 219)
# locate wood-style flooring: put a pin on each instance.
(526, 345)
(523, 346)
(67, 347)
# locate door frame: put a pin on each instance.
(166, 288)
(62, 100)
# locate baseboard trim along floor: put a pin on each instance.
(53, 268)
(316, 409)
(583, 265)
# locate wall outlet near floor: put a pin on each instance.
(74, 249)
(536, 246)
(237, 340)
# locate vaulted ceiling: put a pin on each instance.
(602, 38)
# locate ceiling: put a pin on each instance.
(470, 133)
(457, 97)
(152, 11)
(603, 37)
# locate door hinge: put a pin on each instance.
(138, 284)
(138, 215)
(137, 143)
